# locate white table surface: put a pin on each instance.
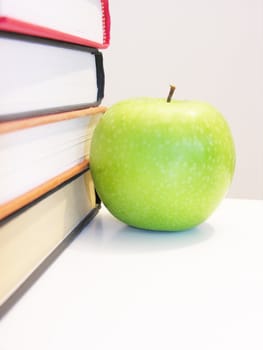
(119, 288)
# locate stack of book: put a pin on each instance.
(52, 85)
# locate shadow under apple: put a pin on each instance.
(109, 234)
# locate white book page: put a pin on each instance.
(35, 155)
(42, 76)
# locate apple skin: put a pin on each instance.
(162, 166)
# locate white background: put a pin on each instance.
(211, 50)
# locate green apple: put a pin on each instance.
(162, 165)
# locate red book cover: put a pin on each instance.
(80, 23)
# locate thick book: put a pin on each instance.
(77, 21)
(42, 152)
(40, 76)
(34, 236)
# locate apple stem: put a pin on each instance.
(171, 92)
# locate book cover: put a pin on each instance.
(40, 76)
(35, 235)
(76, 21)
(37, 154)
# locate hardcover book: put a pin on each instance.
(34, 236)
(40, 153)
(76, 21)
(40, 76)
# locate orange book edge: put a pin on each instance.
(21, 201)
(19, 124)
